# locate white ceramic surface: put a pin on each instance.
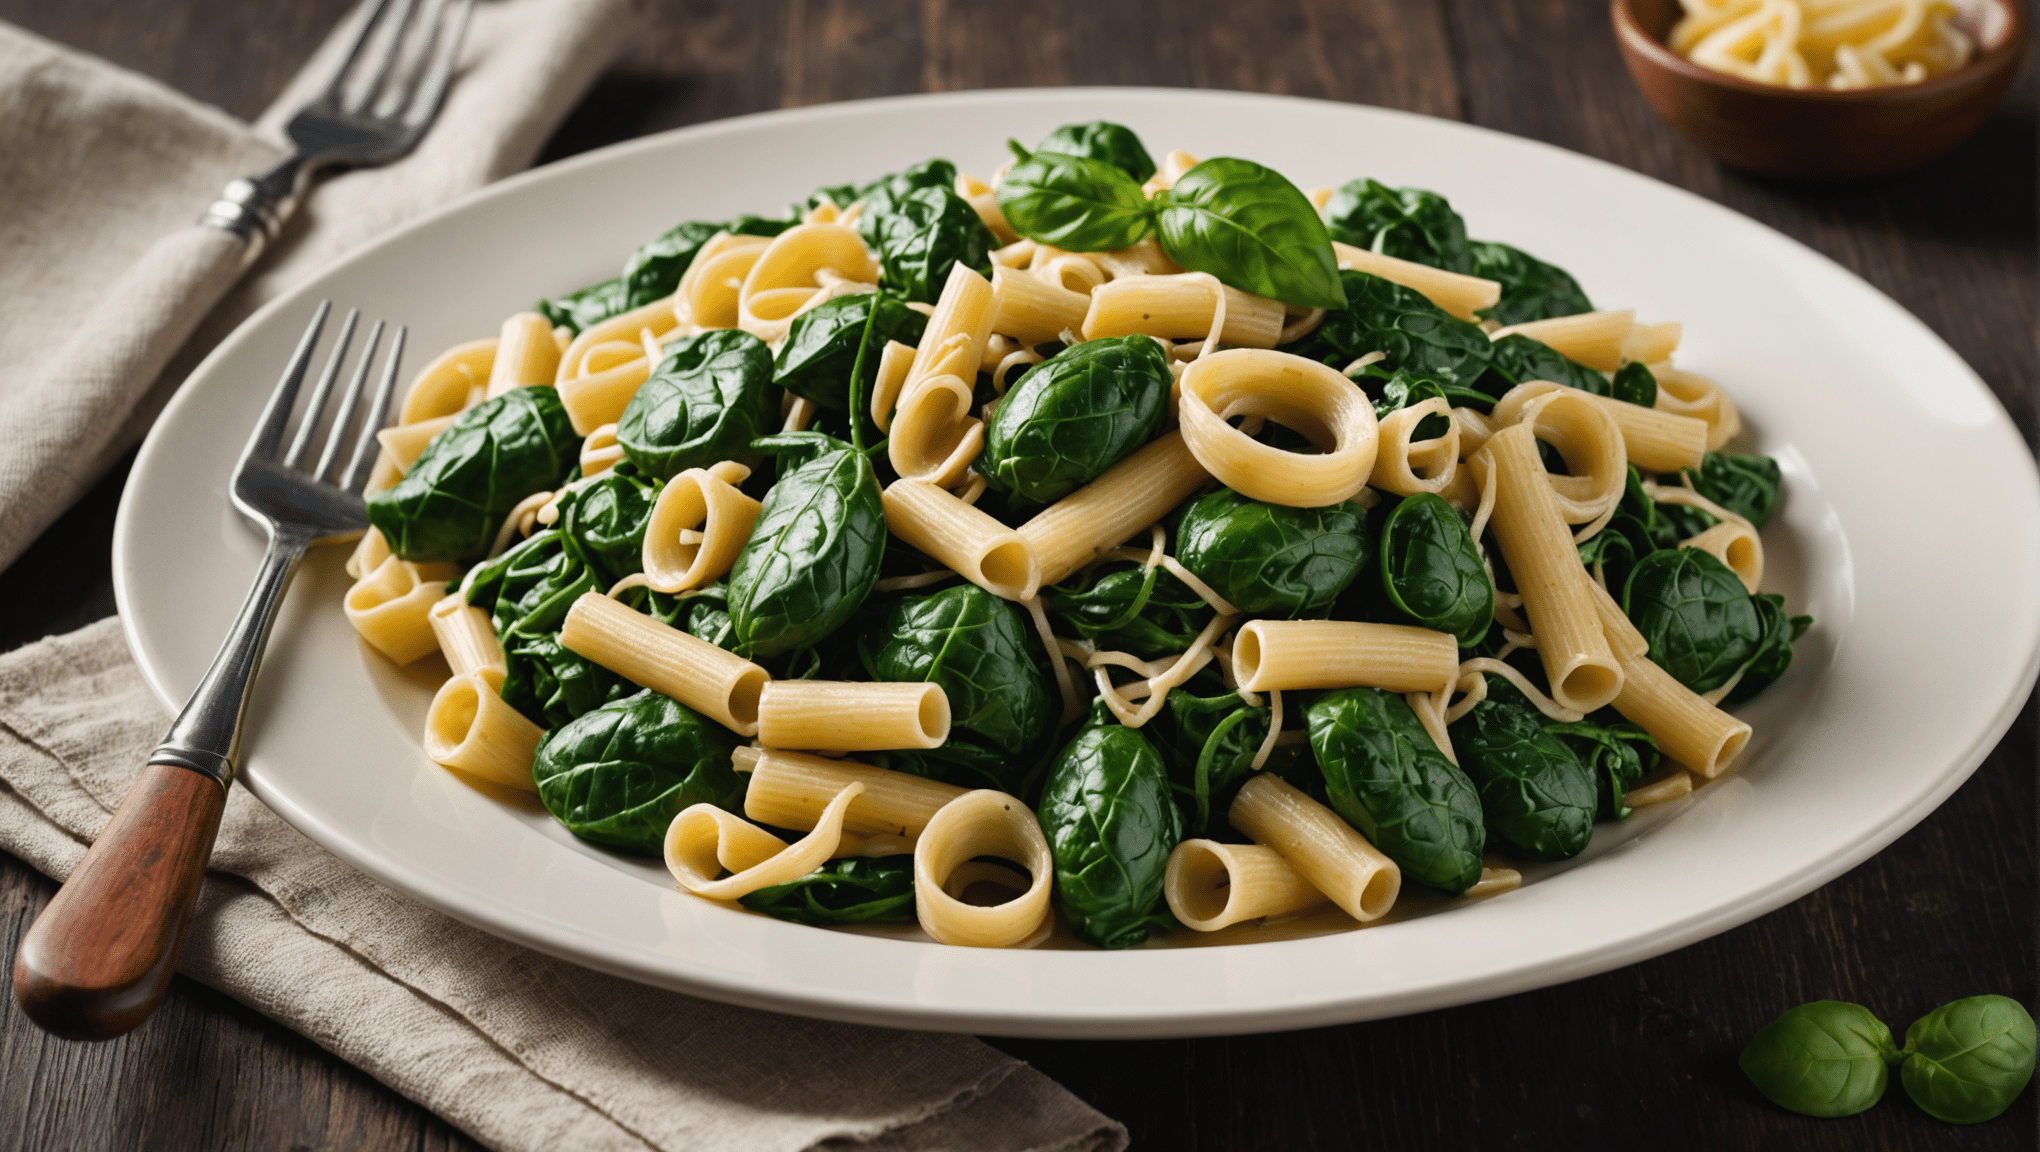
(1924, 649)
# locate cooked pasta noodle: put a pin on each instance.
(450, 383)
(1180, 306)
(791, 790)
(1288, 654)
(468, 727)
(525, 354)
(973, 544)
(1303, 395)
(704, 841)
(852, 715)
(722, 686)
(1325, 850)
(1592, 338)
(1463, 296)
(1210, 885)
(1131, 495)
(468, 639)
(698, 524)
(981, 823)
(390, 607)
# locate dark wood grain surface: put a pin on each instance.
(1641, 1056)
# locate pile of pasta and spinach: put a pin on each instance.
(1108, 701)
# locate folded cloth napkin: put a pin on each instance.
(109, 290)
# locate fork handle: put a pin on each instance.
(99, 958)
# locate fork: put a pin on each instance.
(374, 110)
(99, 958)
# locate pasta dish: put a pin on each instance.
(1119, 545)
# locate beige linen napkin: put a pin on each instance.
(105, 281)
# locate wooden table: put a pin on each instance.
(1642, 1055)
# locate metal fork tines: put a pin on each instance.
(384, 96)
(297, 506)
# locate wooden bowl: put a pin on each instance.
(1817, 134)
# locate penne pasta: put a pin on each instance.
(791, 789)
(1278, 655)
(469, 728)
(1179, 307)
(720, 685)
(1131, 495)
(979, 548)
(525, 354)
(468, 640)
(1323, 849)
(1210, 885)
(1461, 295)
(852, 715)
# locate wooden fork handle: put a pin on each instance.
(99, 958)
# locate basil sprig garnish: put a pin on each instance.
(1964, 1062)
(1075, 203)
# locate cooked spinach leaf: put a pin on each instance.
(1745, 485)
(1431, 569)
(586, 307)
(820, 352)
(1418, 337)
(814, 553)
(852, 890)
(1208, 744)
(1774, 647)
(1111, 825)
(1634, 384)
(1518, 358)
(1150, 614)
(451, 503)
(1617, 754)
(927, 174)
(1531, 289)
(1537, 797)
(607, 518)
(1270, 559)
(1699, 619)
(920, 233)
(1387, 778)
(1251, 228)
(654, 270)
(1075, 415)
(527, 592)
(618, 775)
(1407, 223)
(704, 403)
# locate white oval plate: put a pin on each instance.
(1926, 643)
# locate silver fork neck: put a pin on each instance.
(206, 737)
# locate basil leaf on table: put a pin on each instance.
(452, 502)
(1270, 559)
(1149, 614)
(1111, 824)
(852, 890)
(1516, 358)
(1697, 616)
(704, 403)
(1417, 336)
(976, 646)
(585, 307)
(1406, 223)
(1827, 1058)
(814, 553)
(1774, 647)
(1250, 227)
(820, 352)
(527, 592)
(1966, 1061)
(1075, 203)
(1634, 384)
(919, 234)
(1531, 289)
(1537, 797)
(607, 518)
(618, 775)
(1745, 485)
(1115, 144)
(1387, 778)
(1074, 415)
(1431, 569)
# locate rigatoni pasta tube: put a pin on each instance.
(1319, 844)
(1591, 338)
(525, 354)
(720, 685)
(1179, 307)
(1307, 397)
(1736, 545)
(1031, 309)
(1284, 654)
(954, 341)
(852, 715)
(1459, 294)
(1131, 495)
(698, 525)
(790, 789)
(1686, 727)
(934, 437)
(703, 841)
(1210, 885)
(981, 823)
(1586, 437)
(470, 728)
(468, 639)
(1541, 556)
(391, 606)
(963, 537)
(599, 398)
(1654, 439)
(444, 386)
(402, 444)
(1405, 467)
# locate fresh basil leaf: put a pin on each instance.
(1406, 223)
(1531, 289)
(1417, 336)
(1517, 358)
(1111, 824)
(1431, 569)
(1075, 203)
(1696, 614)
(619, 774)
(1075, 415)
(820, 352)
(852, 890)
(704, 403)
(1387, 778)
(1827, 1058)
(1966, 1061)
(1269, 559)
(1634, 384)
(919, 234)
(1115, 144)
(1251, 228)
(452, 502)
(1745, 485)
(814, 554)
(1537, 797)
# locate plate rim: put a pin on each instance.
(500, 918)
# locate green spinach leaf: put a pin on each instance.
(1417, 336)
(1251, 228)
(1149, 614)
(1827, 1058)
(927, 174)
(1536, 795)
(705, 402)
(820, 352)
(1634, 384)
(586, 307)
(1745, 485)
(1696, 614)
(1966, 1061)
(814, 553)
(655, 269)
(853, 890)
(1387, 778)
(1208, 744)
(1075, 415)
(452, 502)
(1774, 647)
(1518, 358)
(1431, 569)
(1111, 825)
(1407, 223)
(1617, 754)
(607, 518)
(919, 234)
(527, 592)
(618, 775)
(1269, 559)
(1531, 289)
